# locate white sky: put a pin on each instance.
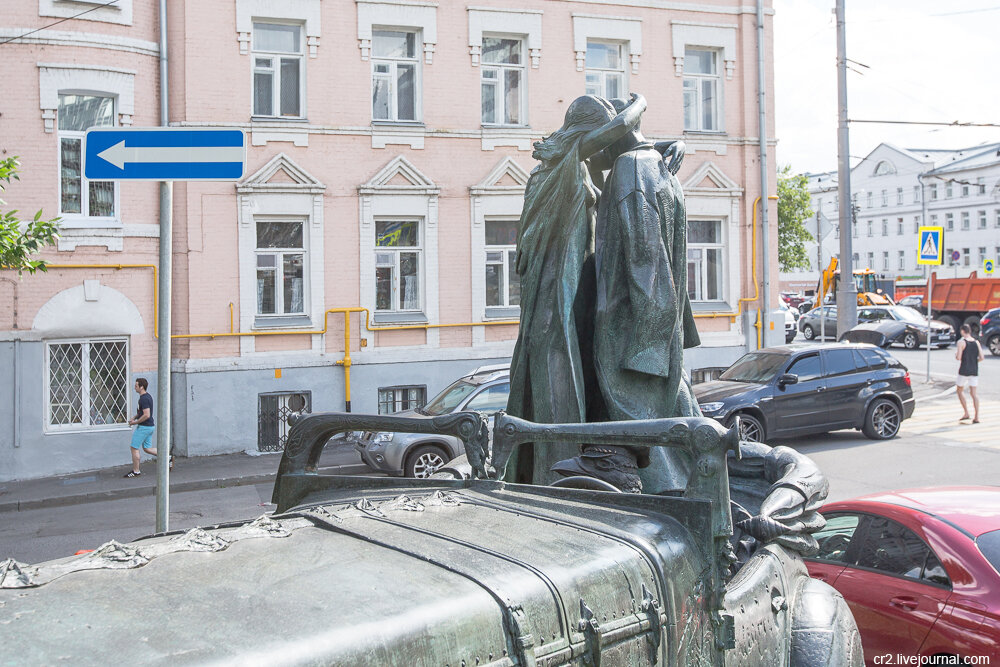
(927, 60)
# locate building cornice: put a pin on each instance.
(86, 39)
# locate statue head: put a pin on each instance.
(629, 140)
(584, 114)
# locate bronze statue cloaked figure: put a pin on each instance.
(552, 365)
(606, 317)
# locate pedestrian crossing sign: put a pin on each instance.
(988, 266)
(931, 248)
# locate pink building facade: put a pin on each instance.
(389, 142)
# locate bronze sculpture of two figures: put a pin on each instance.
(605, 318)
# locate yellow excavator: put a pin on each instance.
(864, 280)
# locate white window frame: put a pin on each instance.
(699, 79)
(279, 280)
(885, 227)
(982, 219)
(869, 199)
(393, 255)
(275, 69)
(83, 218)
(885, 197)
(899, 226)
(966, 221)
(902, 260)
(624, 30)
(603, 73)
(48, 427)
(996, 218)
(392, 64)
(949, 221)
(899, 195)
(871, 259)
(499, 83)
(934, 191)
(505, 264)
(916, 194)
(396, 392)
(702, 273)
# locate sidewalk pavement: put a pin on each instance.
(189, 474)
(221, 471)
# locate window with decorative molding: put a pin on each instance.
(87, 384)
(965, 220)
(701, 90)
(704, 260)
(79, 196)
(605, 74)
(395, 76)
(502, 81)
(397, 265)
(278, 70)
(281, 283)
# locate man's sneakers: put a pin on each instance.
(132, 473)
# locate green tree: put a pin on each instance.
(21, 240)
(793, 211)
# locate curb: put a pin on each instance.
(142, 491)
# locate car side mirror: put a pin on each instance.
(788, 378)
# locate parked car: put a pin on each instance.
(794, 390)
(819, 322)
(990, 327)
(898, 325)
(484, 390)
(790, 316)
(794, 299)
(920, 569)
(912, 301)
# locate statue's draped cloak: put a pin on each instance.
(552, 361)
(643, 320)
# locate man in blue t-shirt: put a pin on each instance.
(142, 437)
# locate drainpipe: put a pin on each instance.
(762, 132)
(163, 343)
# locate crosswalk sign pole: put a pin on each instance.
(930, 300)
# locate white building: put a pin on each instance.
(894, 191)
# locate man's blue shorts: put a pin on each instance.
(142, 437)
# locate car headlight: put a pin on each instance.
(379, 438)
(708, 408)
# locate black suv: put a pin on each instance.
(794, 390)
(989, 331)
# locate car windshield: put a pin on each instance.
(905, 314)
(449, 399)
(989, 544)
(755, 367)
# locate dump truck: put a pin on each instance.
(959, 301)
(451, 570)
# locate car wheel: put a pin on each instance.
(994, 344)
(751, 429)
(882, 420)
(424, 461)
(973, 322)
(808, 333)
(910, 341)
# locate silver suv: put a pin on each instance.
(484, 390)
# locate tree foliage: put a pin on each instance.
(793, 211)
(20, 241)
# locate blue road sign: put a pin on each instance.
(988, 266)
(931, 245)
(164, 154)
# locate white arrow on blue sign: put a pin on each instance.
(164, 154)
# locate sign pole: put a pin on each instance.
(164, 297)
(930, 295)
(163, 360)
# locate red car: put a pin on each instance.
(920, 569)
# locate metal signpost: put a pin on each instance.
(164, 154)
(930, 252)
